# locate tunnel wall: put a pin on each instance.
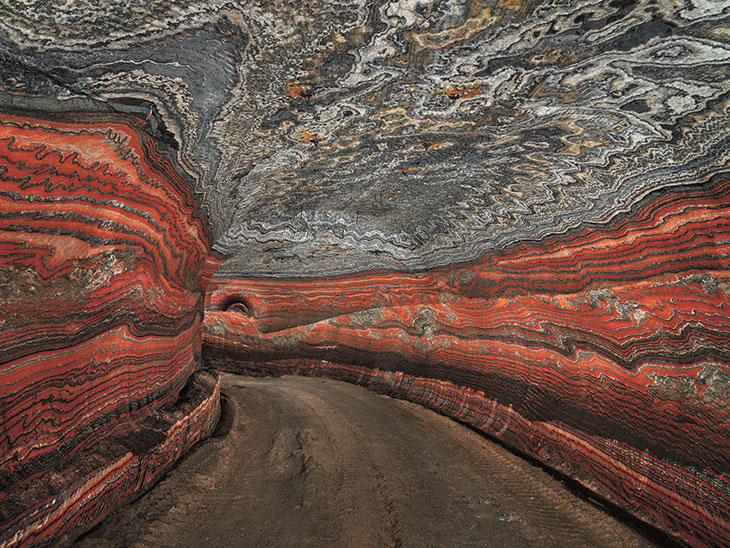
(604, 352)
(103, 252)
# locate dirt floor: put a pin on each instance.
(310, 462)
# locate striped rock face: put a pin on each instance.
(101, 249)
(513, 212)
(603, 353)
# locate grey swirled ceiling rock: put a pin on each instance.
(328, 137)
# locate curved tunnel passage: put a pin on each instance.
(515, 213)
(314, 462)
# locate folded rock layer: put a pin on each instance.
(513, 212)
(603, 353)
(101, 255)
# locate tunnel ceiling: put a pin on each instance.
(332, 137)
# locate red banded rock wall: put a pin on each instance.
(603, 352)
(102, 254)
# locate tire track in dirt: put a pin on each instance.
(313, 462)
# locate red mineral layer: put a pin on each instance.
(103, 259)
(89, 499)
(604, 352)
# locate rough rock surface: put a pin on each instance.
(336, 137)
(524, 204)
(102, 251)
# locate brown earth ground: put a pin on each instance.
(310, 462)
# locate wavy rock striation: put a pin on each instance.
(604, 353)
(101, 255)
(513, 212)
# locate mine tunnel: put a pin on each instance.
(406, 273)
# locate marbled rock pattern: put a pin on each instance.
(406, 134)
(603, 352)
(524, 203)
(101, 293)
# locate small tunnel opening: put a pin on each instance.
(238, 304)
